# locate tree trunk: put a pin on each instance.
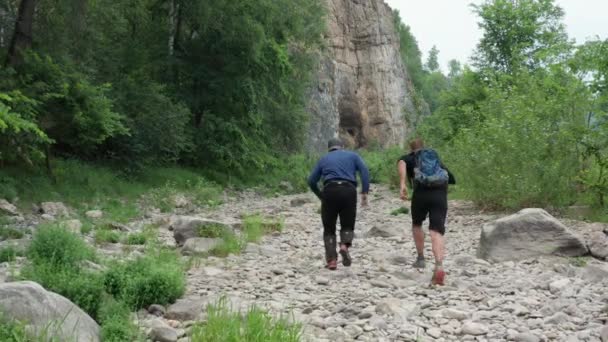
(22, 37)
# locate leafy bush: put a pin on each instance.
(83, 288)
(56, 246)
(151, 279)
(256, 325)
(116, 323)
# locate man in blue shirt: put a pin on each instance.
(338, 169)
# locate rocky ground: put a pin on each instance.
(382, 298)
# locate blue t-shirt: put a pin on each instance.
(339, 165)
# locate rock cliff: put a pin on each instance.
(362, 91)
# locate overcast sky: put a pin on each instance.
(451, 25)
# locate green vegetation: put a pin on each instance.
(156, 278)
(7, 233)
(224, 324)
(400, 211)
(106, 236)
(12, 331)
(116, 323)
(9, 253)
(255, 226)
(527, 126)
(136, 239)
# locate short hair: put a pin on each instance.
(416, 144)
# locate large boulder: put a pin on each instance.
(598, 245)
(186, 227)
(528, 233)
(46, 312)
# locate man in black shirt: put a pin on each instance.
(431, 201)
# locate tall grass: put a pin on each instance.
(225, 324)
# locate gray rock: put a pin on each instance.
(186, 227)
(55, 209)
(400, 310)
(526, 337)
(7, 208)
(604, 334)
(300, 201)
(434, 332)
(200, 245)
(157, 310)
(186, 309)
(322, 280)
(473, 328)
(598, 245)
(94, 214)
(559, 285)
(48, 312)
(161, 331)
(454, 314)
(595, 273)
(528, 233)
(47, 217)
(557, 318)
(378, 322)
(385, 231)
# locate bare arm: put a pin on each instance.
(402, 178)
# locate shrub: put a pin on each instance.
(152, 279)
(56, 246)
(223, 324)
(116, 323)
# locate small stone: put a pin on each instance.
(454, 314)
(434, 332)
(94, 214)
(298, 202)
(47, 217)
(163, 334)
(365, 315)
(322, 280)
(379, 283)
(378, 323)
(353, 330)
(557, 318)
(473, 328)
(559, 285)
(526, 337)
(56, 209)
(278, 271)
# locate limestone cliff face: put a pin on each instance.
(362, 91)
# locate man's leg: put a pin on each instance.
(348, 216)
(418, 235)
(437, 218)
(418, 213)
(329, 216)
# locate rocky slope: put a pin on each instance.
(362, 90)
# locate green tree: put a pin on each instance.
(520, 34)
(432, 62)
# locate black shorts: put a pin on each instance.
(431, 202)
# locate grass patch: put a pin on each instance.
(212, 230)
(9, 254)
(116, 323)
(256, 325)
(12, 331)
(152, 279)
(106, 236)
(578, 261)
(400, 211)
(255, 226)
(136, 239)
(231, 244)
(7, 233)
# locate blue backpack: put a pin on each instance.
(428, 170)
